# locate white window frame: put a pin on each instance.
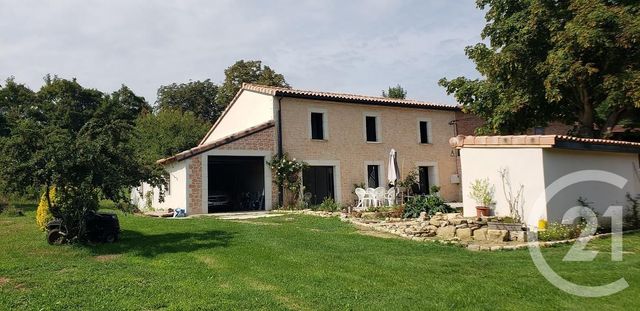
(429, 134)
(325, 123)
(381, 173)
(378, 127)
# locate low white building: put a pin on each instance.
(553, 171)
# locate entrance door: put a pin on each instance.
(318, 180)
(423, 172)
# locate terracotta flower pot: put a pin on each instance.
(482, 211)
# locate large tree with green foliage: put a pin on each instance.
(168, 132)
(574, 61)
(246, 72)
(198, 97)
(76, 139)
(395, 92)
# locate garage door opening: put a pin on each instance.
(235, 184)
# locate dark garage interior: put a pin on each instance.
(235, 183)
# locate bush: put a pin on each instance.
(431, 204)
(396, 211)
(4, 203)
(43, 214)
(328, 205)
(632, 216)
(557, 231)
(11, 211)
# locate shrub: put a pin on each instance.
(557, 231)
(148, 200)
(632, 217)
(431, 204)
(43, 214)
(4, 203)
(287, 173)
(328, 205)
(396, 211)
(11, 211)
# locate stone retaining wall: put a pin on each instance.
(453, 229)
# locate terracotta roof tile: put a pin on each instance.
(542, 141)
(222, 141)
(373, 100)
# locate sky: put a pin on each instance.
(350, 46)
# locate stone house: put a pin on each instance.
(345, 139)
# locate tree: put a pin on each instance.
(395, 92)
(16, 101)
(78, 140)
(198, 97)
(246, 72)
(168, 132)
(575, 61)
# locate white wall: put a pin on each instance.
(524, 165)
(250, 109)
(176, 197)
(559, 163)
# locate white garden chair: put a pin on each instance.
(391, 196)
(379, 196)
(362, 199)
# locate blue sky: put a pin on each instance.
(357, 47)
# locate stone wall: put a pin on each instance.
(262, 140)
(345, 142)
(194, 187)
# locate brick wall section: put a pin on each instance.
(263, 140)
(194, 171)
(468, 123)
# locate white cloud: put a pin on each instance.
(349, 46)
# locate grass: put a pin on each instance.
(288, 262)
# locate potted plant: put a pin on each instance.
(482, 193)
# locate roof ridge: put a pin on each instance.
(274, 89)
(531, 140)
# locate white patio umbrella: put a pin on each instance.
(392, 171)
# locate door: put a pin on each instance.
(236, 183)
(423, 175)
(318, 180)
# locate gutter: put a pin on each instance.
(280, 151)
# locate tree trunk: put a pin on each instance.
(612, 121)
(587, 114)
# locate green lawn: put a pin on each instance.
(288, 262)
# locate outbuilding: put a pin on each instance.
(553, 173)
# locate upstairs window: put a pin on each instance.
(373, 176)
(317, 125)
(424, 132)
(371, 128)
